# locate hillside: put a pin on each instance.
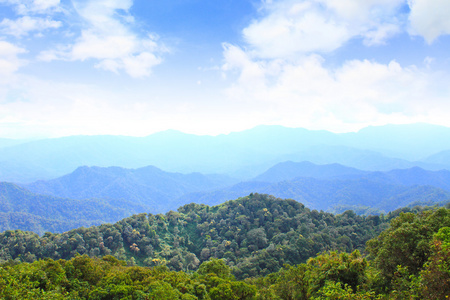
(20, 208)
(242, 231)
(408, 255)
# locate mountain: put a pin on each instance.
(442, 158)
(412, 176)
(327, 194)
(151, 187)
(10, 142)
(317, 186)
(290, 170)
(367, 160)
(256, 247)
(408, 141)
(257, 234)
(245, 153)
(20, 208)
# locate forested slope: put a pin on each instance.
(408, 260)
(257, 234)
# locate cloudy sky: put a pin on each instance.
(127, 67)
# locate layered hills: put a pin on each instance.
(151, 187)
(94, 195)
(257, 234)
(325, 187)
(22, 209)
(235, 251)
(242, 154)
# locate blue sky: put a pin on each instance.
(127, 67)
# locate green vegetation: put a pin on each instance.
(408, 260)
(256, 235)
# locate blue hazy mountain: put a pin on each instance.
(412, 176)
(149, 186)
(317, 186)
(367, 160)
(92, 195)
(333, 186)
(290, 170)
(244, 154)
(323, 194)
(10, 142)
(20, 208)
(408, 177)
(410, 142)
(440, 158)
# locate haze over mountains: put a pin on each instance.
(93, 195)
(86, 180)
(241, 154)
(149, 186)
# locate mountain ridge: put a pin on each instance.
(248, 152)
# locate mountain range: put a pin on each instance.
(151, 187)
(22, 209)
(94, 195)
(241, 154)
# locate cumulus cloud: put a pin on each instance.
(9, 60)
(430, 18)
(306, 93)
(26, 24)
(25, 7)
(282, 74)
(107, 37)
(289, 27)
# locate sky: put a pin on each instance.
(135, 67)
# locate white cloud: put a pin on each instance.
(281, 75)
(9, 61)
(25, 7)
(26, 24)
(109, 39)
(360, 92)
(430, 18)
(289, 27)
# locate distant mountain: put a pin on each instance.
(367, 160)
(20, 208)
(317, 186)
(246, 153)
(10, 142)
(408, 177)
(409, 141)
(149, 186)
(413, 176)
(442, 158)
(327, 194)
(290, 170)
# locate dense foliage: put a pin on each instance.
(423, 273)
(256, 235)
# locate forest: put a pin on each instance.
(256, 247)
